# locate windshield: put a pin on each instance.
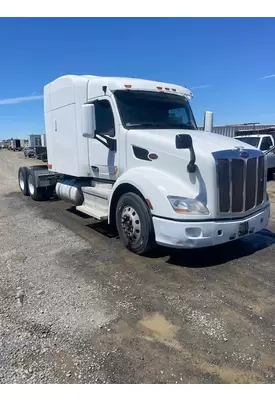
(154, 110)
(253, 141)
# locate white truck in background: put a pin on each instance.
(128, 151)
(263, 142)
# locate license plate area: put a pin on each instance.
(243, 229)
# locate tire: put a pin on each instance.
(23, 180)
(134, 224)
(44, 157)
(36, 193)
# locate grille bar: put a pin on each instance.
(237, 167)
(224, 185)
(251, 179)
(261, 181)
(241, 183)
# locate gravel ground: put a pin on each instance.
(76, 307)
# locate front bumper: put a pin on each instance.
(192, 234)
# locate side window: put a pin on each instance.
(105, 124)
(266, 143)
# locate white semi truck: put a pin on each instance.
(128, 151)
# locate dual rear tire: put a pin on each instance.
(23, 180)
(27, 185)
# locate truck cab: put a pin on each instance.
(129, 151)
(263, 142)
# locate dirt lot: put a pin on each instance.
(76, 307)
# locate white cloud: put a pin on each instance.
(268, 76)
(17, 100)
(200, 87)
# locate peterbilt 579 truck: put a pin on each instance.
(128, 151)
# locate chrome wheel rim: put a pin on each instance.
(31, 185)
(130, 222)
(21, 181)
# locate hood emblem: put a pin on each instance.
(243, 153)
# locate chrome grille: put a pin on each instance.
(241, 183)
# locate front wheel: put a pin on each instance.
(134, 224)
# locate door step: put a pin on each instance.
(97, 213)
(96, 201)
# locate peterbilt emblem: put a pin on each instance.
(244, 154)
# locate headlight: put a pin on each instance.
(183, 205)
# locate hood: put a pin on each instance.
(203, 142)
(168, 167)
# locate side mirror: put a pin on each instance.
(184, 142)
(88, 121)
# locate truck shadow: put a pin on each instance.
(193, 258)
(206, 257)
(222, 254)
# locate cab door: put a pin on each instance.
(103, 161)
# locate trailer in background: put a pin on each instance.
(23, 143)
(16, 145)
(40, 153)
(34, 141)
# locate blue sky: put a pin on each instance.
(222, 60)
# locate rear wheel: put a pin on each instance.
(23, 180)
(134, 224)
(36, 193)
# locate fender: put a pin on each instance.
(154, 185)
